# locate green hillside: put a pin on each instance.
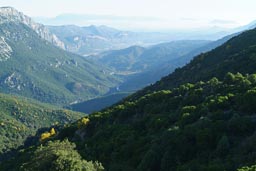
(142, 66)
(21, 118)
(205, 123)
(35, 68)
(203, 126)
(236, 55)
(160, 60)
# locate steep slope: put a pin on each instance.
(139, 59)
(136, 58)
(154, 74)
(207, 125)
(154, 62)
(203, 126)
(236, 55)
(135, 63)
(168, 57)
(8, 14)
(32, 67)
(21, 118)
(140, 67)
(122, 61)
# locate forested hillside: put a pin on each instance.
(236, 55)
(22, 118)
(204, 122)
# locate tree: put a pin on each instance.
(83, 122)
(251, 168)
(47, 135)
(223, 146)
(229, 78)
(59, 156)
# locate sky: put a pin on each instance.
(158, 14)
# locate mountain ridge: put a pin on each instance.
(204, 122)
(8, 14)
(201, 72)
(50, 74)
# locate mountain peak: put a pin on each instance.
(10, 14)
(7, 9)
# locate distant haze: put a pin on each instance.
(140, 14)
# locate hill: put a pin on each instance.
(203, 126)
(236, 55)
(207, 123)
(21, 118)
(144, 66)
(137, 61)
(139, 67)
(33, 67)
(167, 61)
(192, 121)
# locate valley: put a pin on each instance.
(95, 97)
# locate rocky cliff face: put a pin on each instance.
(9, 14)
(5, 50)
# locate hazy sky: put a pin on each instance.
(166, 13)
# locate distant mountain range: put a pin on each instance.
(143, 66)
(236, 55)
(200, 117)
(31, 66)
(56, 76)
(136, 61)
(95, 39)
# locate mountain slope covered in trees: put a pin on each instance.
(202, 126)
(167, 57)
(236, 55)
(199, 123)
(139, 59)
(22, 118)
(205, 123)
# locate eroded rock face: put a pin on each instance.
(9, 14)
(5, 50)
